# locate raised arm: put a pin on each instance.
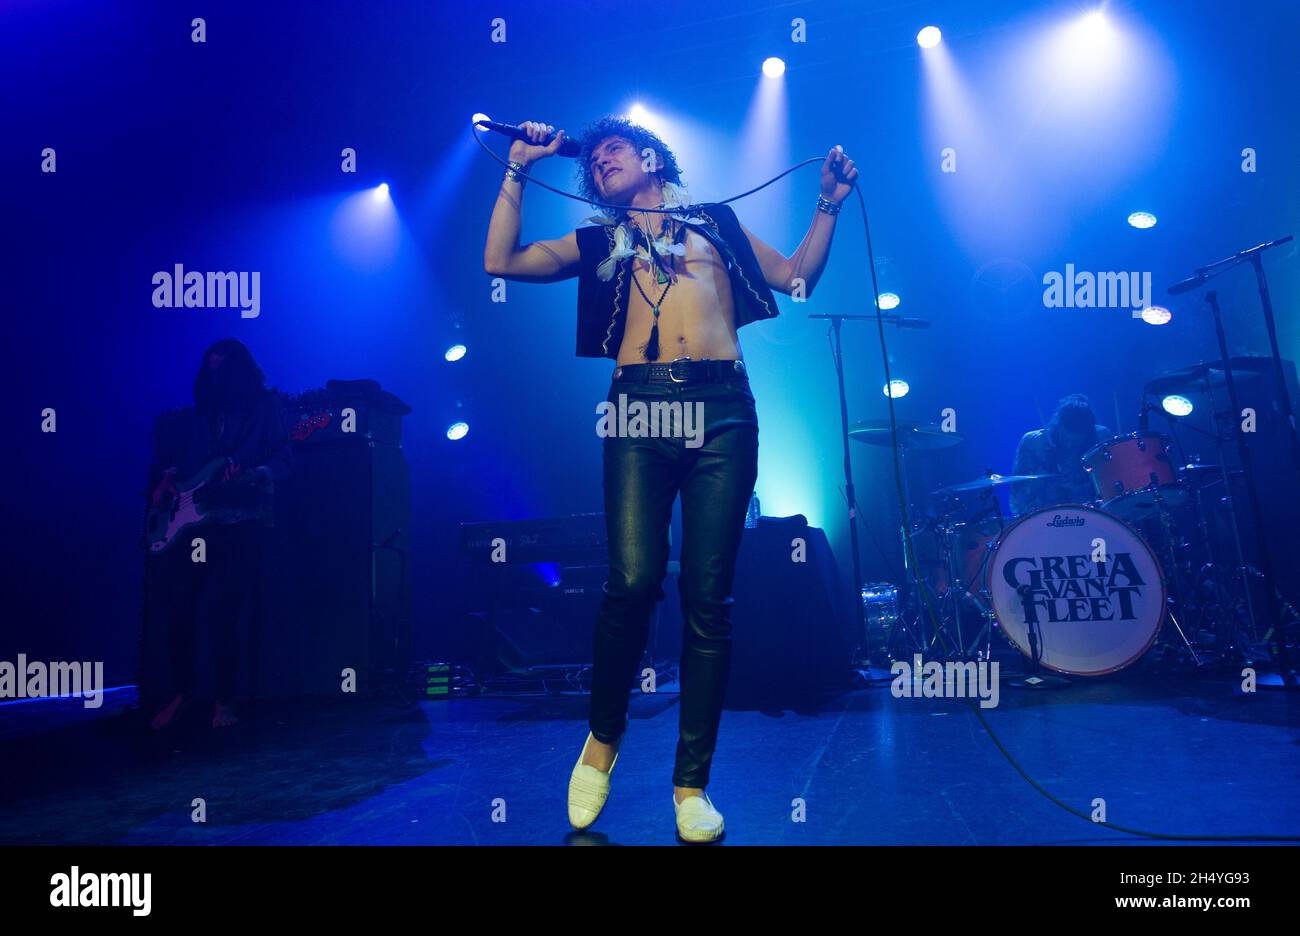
(809, 260)
(545, 261)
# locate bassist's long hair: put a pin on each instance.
(235, 386)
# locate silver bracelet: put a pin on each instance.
(827, 207)
(514, 173)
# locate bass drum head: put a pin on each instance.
(1086, 582)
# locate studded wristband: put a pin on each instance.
(827, 207)
(514, 173)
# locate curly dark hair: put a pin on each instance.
(638, 136)
(1074, 412)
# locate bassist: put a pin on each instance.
(237, 419)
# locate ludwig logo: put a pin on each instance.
(1059, 521)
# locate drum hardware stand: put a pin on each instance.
(1223, 421)
(966, 587)
(1226, 602)
(1243, 448)
(950, 618)
(1179, 596)
(917, 592)
(948, 545)
(986, 612)
(1254, 256)
(1226, 619)
(901, 630)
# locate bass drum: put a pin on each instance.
(1084, 581)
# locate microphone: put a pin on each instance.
(568, 148)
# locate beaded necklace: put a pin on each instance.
(664, 274)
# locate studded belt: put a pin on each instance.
(682, 370)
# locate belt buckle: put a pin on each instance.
(672, 369)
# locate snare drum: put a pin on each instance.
(1084, 581)
(1133, 473)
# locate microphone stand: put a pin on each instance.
(1254, 256)
(1252, 492)
(850, 496)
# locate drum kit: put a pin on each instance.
(1081, 589)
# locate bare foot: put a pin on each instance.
(164, 718)
(601, 755)
(223, 716)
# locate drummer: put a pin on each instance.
(1057, 449)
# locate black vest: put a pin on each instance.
(602, 305)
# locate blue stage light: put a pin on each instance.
(455, 352)
(457, 430)
(1176, 405)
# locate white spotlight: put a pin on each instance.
(1093, 23)
(929, 37)
(896, 388)
(1176, 405)
(773, 67)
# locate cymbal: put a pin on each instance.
(911, 435)
(992, 481)
(1207, 376)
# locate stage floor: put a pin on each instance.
(1178, 756)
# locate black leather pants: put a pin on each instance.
(714, 472)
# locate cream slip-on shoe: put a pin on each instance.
(697, 819)
(588, 790)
